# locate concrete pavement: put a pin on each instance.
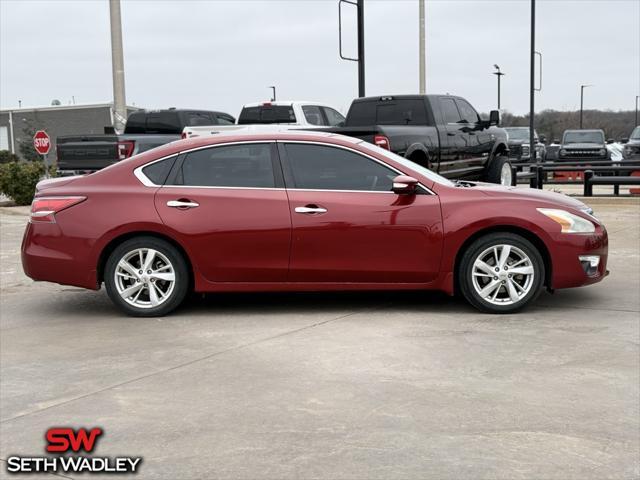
(392, 385)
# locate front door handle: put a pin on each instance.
(311, 210)
(182, 204)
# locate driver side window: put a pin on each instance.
(467, 112)
(319, 167)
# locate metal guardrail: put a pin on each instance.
(537, 174)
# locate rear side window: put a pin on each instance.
(321, 167)
(225, 120)
(334, 118)
(450, 112)
(163, 122)
(312, 114)
(157, 172)
(247, 165)
(195, 119)
(267, 114)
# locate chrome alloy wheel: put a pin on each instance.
(503, 275)
(144, 278)
(505, 175)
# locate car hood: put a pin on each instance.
(595, 146)
(543, 196)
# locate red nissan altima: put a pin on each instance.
(302, 211)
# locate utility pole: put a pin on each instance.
(498, 74)
(421, 49)
(637, 97)
(274, 93)
(361, 83)
(117, 66)
(532, 85)
(582, 87)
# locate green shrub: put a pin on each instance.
(6, 156)
(18, 180)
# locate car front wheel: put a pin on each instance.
(146, 277)
(501, 273)
(499, 171)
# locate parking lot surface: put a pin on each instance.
(360, 385)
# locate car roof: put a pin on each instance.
(283, 103)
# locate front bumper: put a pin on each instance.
(567, 270)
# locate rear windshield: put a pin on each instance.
(154, 122)
(267, 114)
(584, 137)
(387, 112)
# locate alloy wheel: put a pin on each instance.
(144, 278)
(503, 274)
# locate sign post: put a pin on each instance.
(42, 144)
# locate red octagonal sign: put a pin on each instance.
(41, 142)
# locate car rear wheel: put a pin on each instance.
(146, 277)
(501, 273)
(499, 171)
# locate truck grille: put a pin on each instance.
(515, 150)
(583, 153)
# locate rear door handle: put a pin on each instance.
(182, 204)
(310, 210)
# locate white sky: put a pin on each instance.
(220, 54)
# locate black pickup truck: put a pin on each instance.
(441, 132)
(145, 129)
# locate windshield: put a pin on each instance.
(518, 133)
(583, 137)
(411, 165)
(635, 135)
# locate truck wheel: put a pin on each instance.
(499, 170)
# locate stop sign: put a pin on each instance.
(41, 142)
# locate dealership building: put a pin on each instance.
(17, 125)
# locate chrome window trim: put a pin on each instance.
(148, 183)
(357, 152)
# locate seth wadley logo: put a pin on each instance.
(63, 440)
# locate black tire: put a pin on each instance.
(465, 274)
(180, 270)
(494, 168)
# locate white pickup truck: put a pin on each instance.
(274, 115)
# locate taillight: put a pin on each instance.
(43, 209)
(125, 149)
(382, 142)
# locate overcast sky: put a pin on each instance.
(220, 54)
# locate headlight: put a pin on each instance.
(569, 222)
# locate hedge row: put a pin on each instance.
(18, 180)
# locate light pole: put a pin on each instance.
(532, 85)
(421, 62)
(498, 74)
(117, 66)
(582, 87)
(637, 97)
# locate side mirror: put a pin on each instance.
(405, 185)
(609, 141)
(494, 117)
(624, 140)
(543, 139)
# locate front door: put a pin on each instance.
(349, 227)
(227, 206)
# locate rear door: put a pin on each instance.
(228, 206)
(349, 227)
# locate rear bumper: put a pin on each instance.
(567, 271)
(50, 257)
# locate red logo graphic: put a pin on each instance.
(65, 439)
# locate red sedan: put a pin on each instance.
(302, 211)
